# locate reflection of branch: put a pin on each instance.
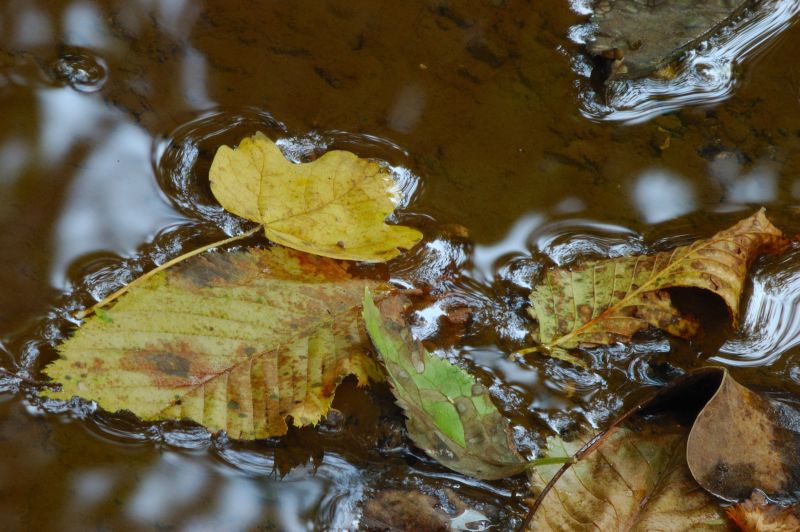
(114, 296)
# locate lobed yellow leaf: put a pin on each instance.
(335, 206)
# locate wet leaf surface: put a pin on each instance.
(606, 301)
(741, 441)
(234, 341)
(636, 480)
(642, 37)
(450, 415)
(335, 206)
(703, 434)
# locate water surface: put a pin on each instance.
(112, 112)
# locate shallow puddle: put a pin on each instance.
(112, 112)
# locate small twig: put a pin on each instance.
(587, 448)
(557, 353)
(114, 296)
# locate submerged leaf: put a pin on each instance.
(400, 510)
(450, 416)
(730, 441)
(756, 514)
(636, 480)
(601, 302)
(235, 341)
(335, 206)
(645, 36)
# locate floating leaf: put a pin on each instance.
(601, 302)
(756, 514)
(731, 441)
(398, 510)
(450, 416)
(743, 441)
(636, 480)
(335, 206)
(235, 341)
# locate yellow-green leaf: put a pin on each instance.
(601, 302)
(450, 416)
(335, 206)
(235, 341)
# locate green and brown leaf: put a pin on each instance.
(605, 301)
(450, 416)
(234, 341)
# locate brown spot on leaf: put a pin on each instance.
(209, 270)
(724, 475)
(171, 364)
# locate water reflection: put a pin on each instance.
(194, 78)
(770, 322)
(91, 487)
(407, 109)
(760, 185)
(108, 205)
(515, 241)
(31, 25)
(14, 157)
(660, 195)
(84, 26)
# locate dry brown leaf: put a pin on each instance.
(758, 515)
(637, 480)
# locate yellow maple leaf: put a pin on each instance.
(335, 206)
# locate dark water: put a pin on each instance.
(111, 112)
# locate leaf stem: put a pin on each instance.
(115, 295)
(550, 460)
(579, 455)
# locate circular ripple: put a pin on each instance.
(770, 323)
(80, 69)
(183, 159)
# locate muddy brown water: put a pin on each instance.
(111, 112)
